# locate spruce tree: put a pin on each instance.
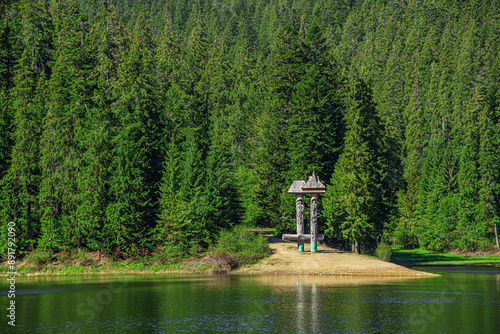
(416, 139)
(184, 221)
(469, 176)
(246, 101)
(271, 158)
(438, 200)
(8, 56)
(22, 182)
(223, 207)
(60, 153)
(108, 43)
(354, 203)
(134, 169)
(71, 91)
(183, 200)
(315, 127)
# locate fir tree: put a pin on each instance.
(109, 41)
(469, 176)
(354, 202)
(8, 55)
(134, 170)
(22, 182)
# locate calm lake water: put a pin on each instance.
(462, 300)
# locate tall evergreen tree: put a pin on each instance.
(416, 140)
(271, 158)
(71, 91)
(468, 177)
(8, 57)
(354, 204)
(134, 169)
(107, 45)
(183, 203)
(185, 221)
(21, 184)
(315, 126)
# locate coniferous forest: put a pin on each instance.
(133, 127)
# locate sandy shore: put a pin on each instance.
(327, 261)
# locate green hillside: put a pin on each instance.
(139, 127)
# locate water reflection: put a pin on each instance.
(314, 308)
(310, 311)
(302, 315)
(300, 307)
(326, 280)
(455, 302)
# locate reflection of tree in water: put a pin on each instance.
(302, 318)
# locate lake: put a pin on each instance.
(462, 300)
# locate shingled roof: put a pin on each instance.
(313, 186)
(296, 187)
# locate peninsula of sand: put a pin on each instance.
(285, 259)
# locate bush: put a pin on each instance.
(383, 251)
(38, 257)
(245, 247)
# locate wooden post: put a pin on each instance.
(296, 188)
(314, 223)
(299, 204)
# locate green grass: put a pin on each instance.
(418, 257)
(113, 268)
(45, 270)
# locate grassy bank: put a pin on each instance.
(421, 257)
(113, 268)
(26, 268)
(231, 250)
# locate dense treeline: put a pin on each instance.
(149, 126)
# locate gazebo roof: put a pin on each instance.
(313, 186)
(296, 187)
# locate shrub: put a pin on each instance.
(38, 257)
(383, 251)
(243, 246)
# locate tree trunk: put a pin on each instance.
(28, 246)
(495, 223)
(356, 245)
(496, 236)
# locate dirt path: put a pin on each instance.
(327, 261)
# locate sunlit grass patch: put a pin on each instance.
(414, 257)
